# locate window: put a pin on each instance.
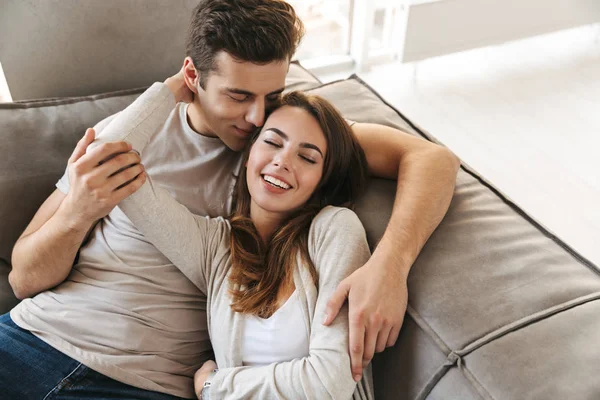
(327, 24)
(5, 96)
(343, 33)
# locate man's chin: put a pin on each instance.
(236, 145)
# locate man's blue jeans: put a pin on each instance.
(32, 369)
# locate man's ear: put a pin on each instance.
(191, 75)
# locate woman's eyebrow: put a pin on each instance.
(284, 136)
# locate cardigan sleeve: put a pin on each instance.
(338, 247)
(140, 120)
(189, 241)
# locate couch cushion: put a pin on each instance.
(498, 306)
(80, 48)
(37, 138)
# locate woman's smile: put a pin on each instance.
(276, 182)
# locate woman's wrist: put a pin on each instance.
(177, 87)
(203, 376)
(203, 393)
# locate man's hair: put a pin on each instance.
(258, 31)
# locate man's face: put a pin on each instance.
(236, 98)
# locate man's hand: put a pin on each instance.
(377, 302)
(100, 178)
(179, 88)
(201, 375)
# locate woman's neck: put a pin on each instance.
(266, 223)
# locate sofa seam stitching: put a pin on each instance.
(527, 321)
(69, 100)
(442, 369)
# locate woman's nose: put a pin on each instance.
(281, 160)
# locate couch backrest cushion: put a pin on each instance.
(66, 48)
(61, 48)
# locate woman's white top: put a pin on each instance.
(281, 337)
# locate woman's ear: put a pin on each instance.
(191, 74)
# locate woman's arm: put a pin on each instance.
(340, 246)
(184, 238)
(140, 120)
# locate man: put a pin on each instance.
(111, 314)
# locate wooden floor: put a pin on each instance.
(525, 115)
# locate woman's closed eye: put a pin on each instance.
(272, 143)
(304, 157)
(307, 159)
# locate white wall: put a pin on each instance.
(446, 26)
(4, 91)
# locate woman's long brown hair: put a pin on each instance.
(259, 270)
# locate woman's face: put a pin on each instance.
(286, 161)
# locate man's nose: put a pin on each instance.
(256, 113)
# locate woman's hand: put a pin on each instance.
(201, 375)
(179, 88)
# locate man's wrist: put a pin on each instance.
(70, 221)
(391, 262)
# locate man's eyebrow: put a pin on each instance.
(304, 144)
(248, 93)
(278, 91)
(239, 91)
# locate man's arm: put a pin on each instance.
(44, 254)
(377, 292)
(426, 175)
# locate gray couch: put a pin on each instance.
(499, 308)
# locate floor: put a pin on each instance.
(525, 115)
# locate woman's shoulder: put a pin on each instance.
(337, 238)
(336, 220)
(215, 230)
(218, 225)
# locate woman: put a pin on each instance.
(268, 270)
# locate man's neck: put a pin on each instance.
(197, 120)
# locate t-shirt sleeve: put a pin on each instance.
(63, 183)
